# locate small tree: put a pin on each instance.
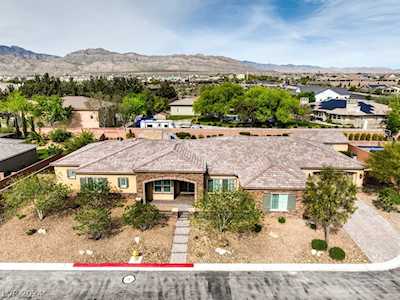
(59, 135)
(85, 138)
(229, 211)
(94, 222)
(385, 165)
(141, 216)
(329, 199)
(95, 195)
(44, 193)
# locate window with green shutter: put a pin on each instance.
(267, 202)
(292, 202)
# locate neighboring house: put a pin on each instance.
(90, 112)
(323, 93)
(352, 112)
(332, 137)
(183, 107)
(15, 155)
(157, 124)
(274, 169)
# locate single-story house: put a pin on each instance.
(274, 169)
(15, 155)
(324, 93)
(90, 112)
(352, 112)
(183, 107)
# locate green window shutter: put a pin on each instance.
(267, 202)
(292, 202)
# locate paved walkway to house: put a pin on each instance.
(181, 237)
(373, 234)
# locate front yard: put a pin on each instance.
(276, 243)
(62, 244)
(392, 217)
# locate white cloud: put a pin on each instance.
(339, 33)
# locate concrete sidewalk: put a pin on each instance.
(373, 234)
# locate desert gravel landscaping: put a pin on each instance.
(392, 217)
(62, 244)
(276, 243)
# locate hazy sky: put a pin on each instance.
(318, 32)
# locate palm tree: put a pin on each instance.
(19, 106)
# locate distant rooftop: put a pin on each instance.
(184, 101)
(11, 147)
(364, 107)
(84, 103)
(316, 89)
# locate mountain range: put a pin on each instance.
(15, 60)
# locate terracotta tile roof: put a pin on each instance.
(258, 162)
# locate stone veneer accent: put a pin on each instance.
(198, 179)
(259, 195)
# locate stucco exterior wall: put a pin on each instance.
(329, 94)
(341, 147)
(182, 111)
(85, 119)
(357, 176)
(61, 175)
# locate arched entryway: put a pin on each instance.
(173, 190)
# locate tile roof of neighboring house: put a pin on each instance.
(326, 136)
(258, 162)
(364, 107)
(319, 89)
(84, 103)
(184, 102)
(10, 148)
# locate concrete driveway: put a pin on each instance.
(373, 234)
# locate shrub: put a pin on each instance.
(351, 137)
(282, 220)
(59, 135)
(95, 222)
(387, 200)
(257, 228)
(130, 134)
(51, 150)
(319, 245)
(95, 194)
(337, 253)
(228, 211)
(183, 135)
(141, 216)
(193, 137)
(201, 136)
(85, 138)
(103, 137)
(31, 231)
(357, 137)
(44, 193)
(244, 133)
(36, 137)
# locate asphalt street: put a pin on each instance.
(198, 285)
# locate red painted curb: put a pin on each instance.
(144, 265)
